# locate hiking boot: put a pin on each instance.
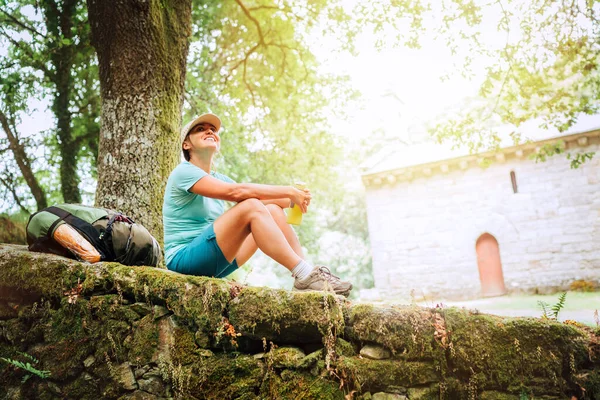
(322, 279)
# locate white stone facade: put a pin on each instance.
(424, 222)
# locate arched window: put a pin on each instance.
(513, 180)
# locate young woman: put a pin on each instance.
(203, 239)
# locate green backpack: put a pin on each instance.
(115, 236)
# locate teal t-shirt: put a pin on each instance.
(185, 214)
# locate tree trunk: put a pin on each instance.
(142, 48)
(59, 23)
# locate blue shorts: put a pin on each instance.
(203, 257)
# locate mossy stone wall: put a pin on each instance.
(116, 332)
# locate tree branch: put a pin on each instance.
(242, 61)
(23, 25)
(24, 164)
(263, 8)
(32, 61)
(258, 28)
(11, 189)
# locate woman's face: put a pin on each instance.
(202, 136)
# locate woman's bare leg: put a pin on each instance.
(247, 250)
(251, 216)
(249, 246)
(289, 233)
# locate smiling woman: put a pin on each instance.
(202, 239)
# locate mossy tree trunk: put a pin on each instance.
(59, 23)
(142, 48)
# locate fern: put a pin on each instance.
(559, 305)
(551, 312)
(29, 356)
(545, 309)
(27, 367)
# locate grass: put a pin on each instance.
(579, 306)
(576, 301)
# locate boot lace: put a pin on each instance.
(326, 273)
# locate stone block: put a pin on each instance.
(375, 352)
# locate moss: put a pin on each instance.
(7, 311)
(64, 359)
(286, 357)
(295, 385)
(590, 381)
(289, 317)
(225, 376)
(494, 395)
(368, 375)
(310, 360)
(40, 275)
(447, 353)
(145, 341)
(405, 330)
(423, 393)
(112, 306)
(184, 350)
(451, 388)
(511, 353)
(200, 299)
(84, 388)
(344, 348)
(12, 231)
(15, 331)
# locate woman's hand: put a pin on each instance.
(301, 197)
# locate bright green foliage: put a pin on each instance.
(551, 312)
(580, 158)
(548, 150)
(26, 366)
(46, 57)
(551, 149)
(559, 305)
(546, 70)
(251, 65)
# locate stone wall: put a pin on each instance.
(106, 331)
(423, 231)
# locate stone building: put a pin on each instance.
(446, 227)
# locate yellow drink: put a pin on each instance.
(294, 215)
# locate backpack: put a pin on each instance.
(115, 236)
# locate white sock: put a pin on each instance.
(302, 270)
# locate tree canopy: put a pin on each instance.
(546, 69)
(48, 58)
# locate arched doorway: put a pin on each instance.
(490, 267)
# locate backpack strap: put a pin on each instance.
(85, 228)
(116, 217)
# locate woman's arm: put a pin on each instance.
(283, 203)
(215, 188)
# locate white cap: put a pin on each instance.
(209, 118)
